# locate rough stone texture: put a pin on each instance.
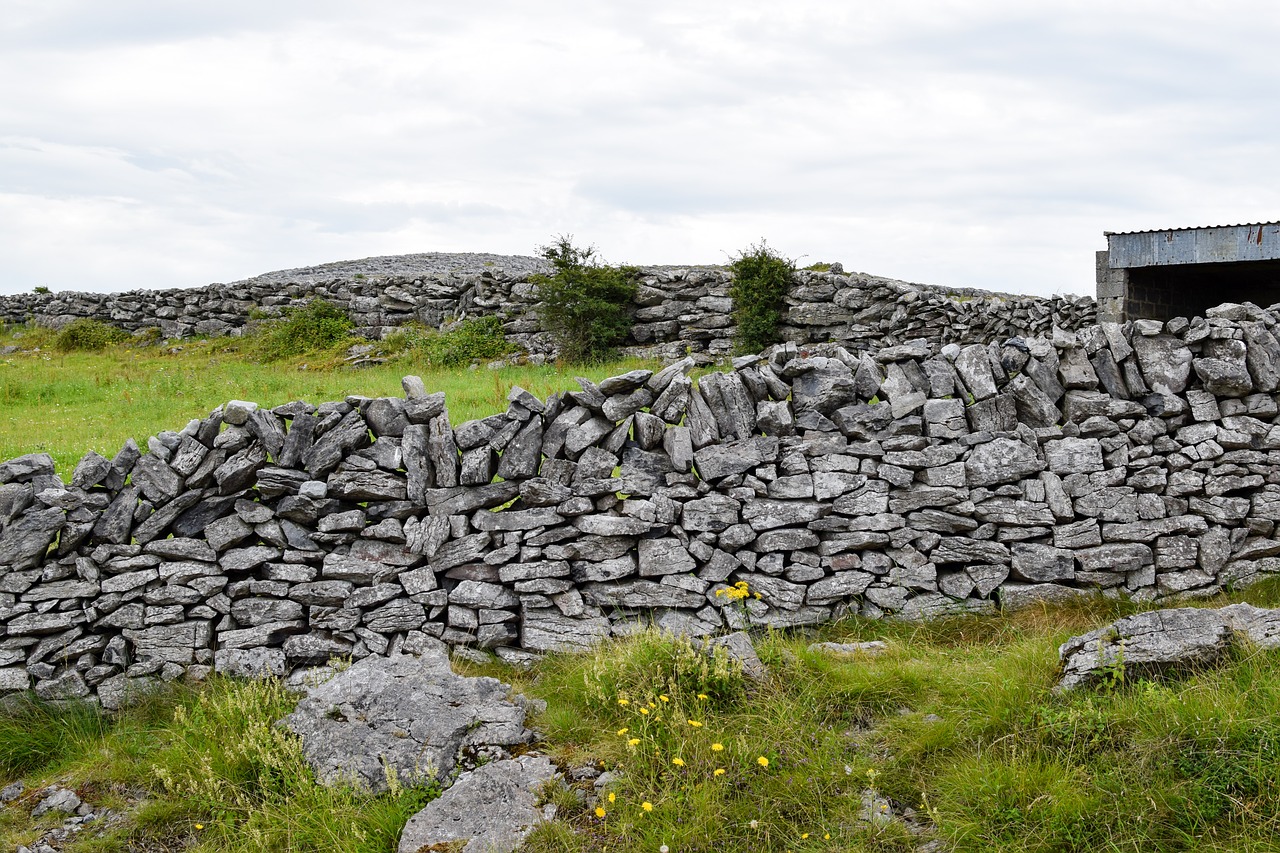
(487, 810)
(268, 540)
(1147, 644)
(407, 714)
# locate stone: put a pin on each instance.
(547, 629)
(664, 557)
(1165, 362)
(404, 714)
(1001, 460)
(487, 810)
(1157, 643)
(739, 649)
(1074, 455)
(1034, 562)
(250, 663)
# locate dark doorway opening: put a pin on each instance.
(1187, 290)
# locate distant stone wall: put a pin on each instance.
(1141, 460)
(678, 310)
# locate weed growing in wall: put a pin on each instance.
(761, 279)
(586, 306)
(86, 335)
(462, 343)
(317, 325)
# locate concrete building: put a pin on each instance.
(1180, 272)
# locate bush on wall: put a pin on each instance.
(87, 335)
(761, 279)
(586, 306)
(312, 327)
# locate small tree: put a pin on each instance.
(586, 306)
(761, 279)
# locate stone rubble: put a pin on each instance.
(912, 482)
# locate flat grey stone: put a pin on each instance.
(411, 715)
(1146, 644)
(487, 810)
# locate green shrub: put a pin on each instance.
(313, 327)
(585, 306)
(41, 289)
(761, 278)
(464, 342)
(85, 334)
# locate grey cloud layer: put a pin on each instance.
(986, 145)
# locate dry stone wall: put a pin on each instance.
(1142, 460)
(678, 309)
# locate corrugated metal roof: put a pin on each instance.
(1214, 244)
(1187, 228)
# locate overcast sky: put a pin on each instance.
(978, 143)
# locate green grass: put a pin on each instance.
(955, 720)
(67, 403)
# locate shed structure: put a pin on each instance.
(1180, 272)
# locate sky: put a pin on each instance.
(969, 143)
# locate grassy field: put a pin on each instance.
(67, 403)
(954, 721)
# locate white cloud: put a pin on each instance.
(151, 144)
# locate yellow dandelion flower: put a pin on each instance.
(762, 761)
(826, 836)
(199, 826)
(599, 811)
(613, 798)
(622, 731)
(647, 806)
(719, 772)
(635, 741)
(717, 747)
(695, 724)
(624, 701)
(678, 762)
(651, 705)
(804, 835)
(644, 711)
(664, 698)
(704, 697)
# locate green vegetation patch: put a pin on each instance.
(586, 306)
(86, 335)
(470, 341)
(316, 326)
(761, 280)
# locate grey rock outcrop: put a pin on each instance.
(1162, 642)
(406, 715)
(487, 810)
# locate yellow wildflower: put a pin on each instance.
(613, 798)
(695, 724)
(678, 762)
(804, 835)
(703, 696)
(599, 811)
(826, 836)
(644, 711)
(624, 701)
(199, 826)
(664, 698)
(622, 731)
(762, 761)
(719, 772)
(717, 747)
(647, 806)
(635, 741)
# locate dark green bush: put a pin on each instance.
(85, 334)
(761, 278)
(315, 326)
(586, 306)
(464, 342)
